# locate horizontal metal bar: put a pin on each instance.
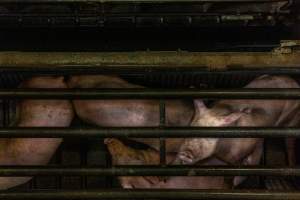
(148, 171)
(145, 69)
(123, 1)
(151, 132)
(244, 93)
(212, 60)
(155, 194)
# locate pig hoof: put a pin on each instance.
(186, 158)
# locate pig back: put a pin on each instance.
(128, 113)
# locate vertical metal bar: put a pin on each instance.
(162, 141)
(3, 113)
(265, 152)
(4, 110)
(8, 112)
(83, 158)
(59, 162)
(108, 164)
(264, 157)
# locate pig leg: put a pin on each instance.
(196, 149)
(232, 151)
(197, 182)
(253, 159)
(128, 182)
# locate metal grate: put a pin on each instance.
(89, 172)
(85, 181)
(144, 13)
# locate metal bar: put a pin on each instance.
(155, 194)
(135, 1)
(143, 69)
(212, 60)
(264, 160)
(179, 170)
(162, 141)
(151, 132)
(83, 162)
(4, 113)
(245, 93)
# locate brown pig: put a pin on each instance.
(255, 113)
(35, 113)
(124, 155)
(129, 113)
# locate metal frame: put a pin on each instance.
(126, 1)
(250, 93)
(151, 132)
(149, 171)
(102, 16)
(155, 194)
(283, 57)
(143, 62)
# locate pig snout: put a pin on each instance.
(196, 149)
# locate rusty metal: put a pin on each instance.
(148, 69)
(115, 60)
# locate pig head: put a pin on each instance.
(225, 113)
(124, 155)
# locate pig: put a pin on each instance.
(125, 113)
(255, 113)
(124, 155)
(35, 113)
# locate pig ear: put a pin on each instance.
(231, 118)
(199, 106)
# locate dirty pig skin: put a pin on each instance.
(239, 113)
(129, 113)
(35, 113)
